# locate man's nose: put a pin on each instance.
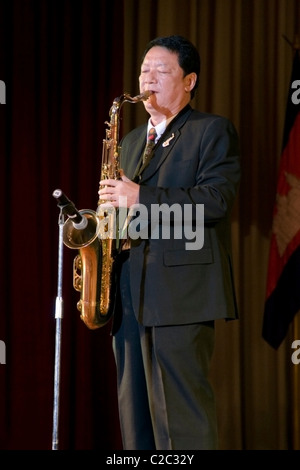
(150, 77)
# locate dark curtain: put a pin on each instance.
(61, 62)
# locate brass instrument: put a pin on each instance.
(94, 266)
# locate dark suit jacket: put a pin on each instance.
(200, 164)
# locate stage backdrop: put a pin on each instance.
(62, 64)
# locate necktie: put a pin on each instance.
(150, 144)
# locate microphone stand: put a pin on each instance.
(66, 207)
(58, 321)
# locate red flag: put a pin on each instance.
(283, 282)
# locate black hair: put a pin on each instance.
(188, 55)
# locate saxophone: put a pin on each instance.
(97, 242)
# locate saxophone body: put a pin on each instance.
(97, 243)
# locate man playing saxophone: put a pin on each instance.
(170, 293)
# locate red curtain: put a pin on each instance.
(61, 63)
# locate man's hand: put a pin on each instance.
(119, 193)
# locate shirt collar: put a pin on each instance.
(160, 128)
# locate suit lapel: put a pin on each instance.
(164, 145)
(137, 148)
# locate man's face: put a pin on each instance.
(161, 74)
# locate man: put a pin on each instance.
(172, 291)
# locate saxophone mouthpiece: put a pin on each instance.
(146, 95)
(142, 97)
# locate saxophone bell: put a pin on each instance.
(81, 227)
(76, 236)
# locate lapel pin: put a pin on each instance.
(167, 142)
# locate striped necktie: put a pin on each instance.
(150, 144)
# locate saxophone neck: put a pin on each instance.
(118, 102)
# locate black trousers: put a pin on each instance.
(164, 395)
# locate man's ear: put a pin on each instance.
(190, 81)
